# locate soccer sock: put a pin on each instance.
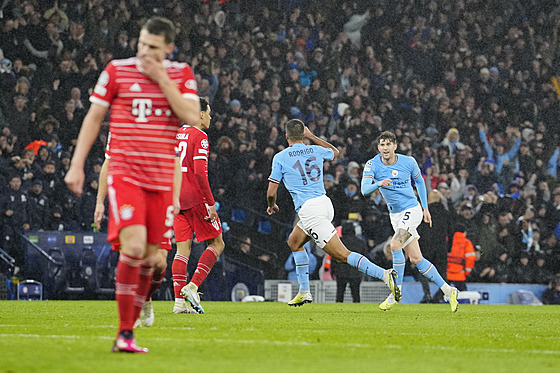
(126, 286)
(205, 264)
(179, 271)
(144, 284)
(364, 265)
(398, 264)
(157, 278)
(430, 271)
(302, 269)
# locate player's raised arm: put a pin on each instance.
(307, 133)
(88, 133)
(186, 109)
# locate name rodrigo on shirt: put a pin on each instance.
(296, 153)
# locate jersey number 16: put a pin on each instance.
(309, 168)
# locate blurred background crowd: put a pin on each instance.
(468, 87)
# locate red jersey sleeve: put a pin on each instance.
(189, 87)
(106, 88)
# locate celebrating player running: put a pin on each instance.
(392, 174)
(300, 166)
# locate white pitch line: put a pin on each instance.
(301, 343)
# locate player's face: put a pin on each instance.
(205, 118)
(152, 45)
(387, 149)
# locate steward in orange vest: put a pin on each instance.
(460, 261)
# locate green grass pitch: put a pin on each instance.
(76, 336)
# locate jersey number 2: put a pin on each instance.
(183, 149)
(309, 168)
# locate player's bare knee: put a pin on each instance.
(161, 262)
(294, 244)
(414, 259)
(395, 245)
(217, 244)
(150, 261)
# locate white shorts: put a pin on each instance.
(315, 218)
(408, 220)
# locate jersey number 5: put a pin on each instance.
(183, 149)
(309, 168)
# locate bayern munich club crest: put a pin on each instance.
(127, 212)
(395, 173)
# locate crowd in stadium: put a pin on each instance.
(468, 88)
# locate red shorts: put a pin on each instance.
(130, 204)
(187, 221)
(164, 245)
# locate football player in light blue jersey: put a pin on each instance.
(393, 174)
(300, 167)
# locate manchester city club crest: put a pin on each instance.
(395, 173)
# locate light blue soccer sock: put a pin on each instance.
(398, 264)
(430, 272)
(302, 269)
(364, 265)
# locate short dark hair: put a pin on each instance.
(203, 104)
(387, 135)
(161, 26)
(295, 129)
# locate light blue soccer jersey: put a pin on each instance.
(400, 194)
(301, 168)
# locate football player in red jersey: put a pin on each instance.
(197, 213)
(147, 316)
(148, 96)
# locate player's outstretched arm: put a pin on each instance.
(369, 185)
(307, 133)
(101, 194)
(88, 133)
(271, 198)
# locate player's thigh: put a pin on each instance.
(204, 230)
(127, 206)
(297, 238)
(413, 251)
(182, 228)
(408, 220)
(133, 240)
(159, 220)
(336, 249)
(184, 248)
(315, 219)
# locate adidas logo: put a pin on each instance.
(135, 88)
(176, 284)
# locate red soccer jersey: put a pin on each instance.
(192, 145)
(142, 124)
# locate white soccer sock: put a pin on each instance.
(446, 289)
